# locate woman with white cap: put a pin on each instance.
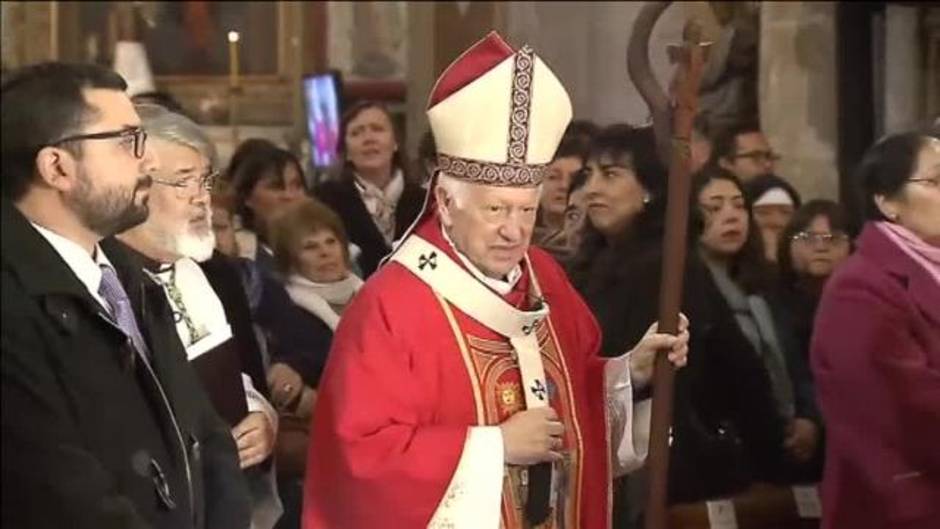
(773, 201)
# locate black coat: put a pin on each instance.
(293, 337)
(88, 436)
(225, 277)
(344, 198)
(724, 387)
(794, 312)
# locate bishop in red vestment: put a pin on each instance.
(464, 388)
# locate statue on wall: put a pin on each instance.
(377, 37)
(728, 93)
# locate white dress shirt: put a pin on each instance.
(86, 267)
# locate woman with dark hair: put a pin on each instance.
(773, 201)
(264, 182)
(726, 432)
(730, 248)
(625, 200)
(245, 150)
(876, 350)
(372, 195)
(812, 246)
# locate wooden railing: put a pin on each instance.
(759, 507)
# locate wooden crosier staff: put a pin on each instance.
(690, 58)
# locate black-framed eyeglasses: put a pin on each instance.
(759, 156)
(192, 184)
(135, 135)
(814, 237)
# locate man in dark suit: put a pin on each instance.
(104, 424)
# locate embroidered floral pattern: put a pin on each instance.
(521, 101)
(491, 173)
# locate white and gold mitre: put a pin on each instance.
(497, 115)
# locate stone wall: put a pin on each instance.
(798, 91)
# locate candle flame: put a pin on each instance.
(233, 36)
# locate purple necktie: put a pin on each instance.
(113, 292)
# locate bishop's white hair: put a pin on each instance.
(457, 189)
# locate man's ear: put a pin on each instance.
(57, 168)
(444, 204)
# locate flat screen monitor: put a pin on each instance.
(322, 96)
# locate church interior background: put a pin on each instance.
(827, 78)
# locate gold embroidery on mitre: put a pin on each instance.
(516, 171)
(492, 173)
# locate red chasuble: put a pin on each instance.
(409, 374)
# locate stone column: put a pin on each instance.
(437, 33)
(798, 91)
(903, 70)
(421, 71)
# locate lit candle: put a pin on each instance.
(233, 58)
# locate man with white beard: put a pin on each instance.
(176, 237)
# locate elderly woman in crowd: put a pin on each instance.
(876, 351)
(312, 253)
(373, 195)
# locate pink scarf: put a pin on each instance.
(926, 255)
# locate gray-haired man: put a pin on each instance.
(175, 238)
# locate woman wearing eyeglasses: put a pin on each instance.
(812, 245)
(876, 351)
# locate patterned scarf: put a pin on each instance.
(381, 203)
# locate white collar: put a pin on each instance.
(501, 286)
(86, 267)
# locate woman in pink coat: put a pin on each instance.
(876, 348)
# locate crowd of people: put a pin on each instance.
(814, 350)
